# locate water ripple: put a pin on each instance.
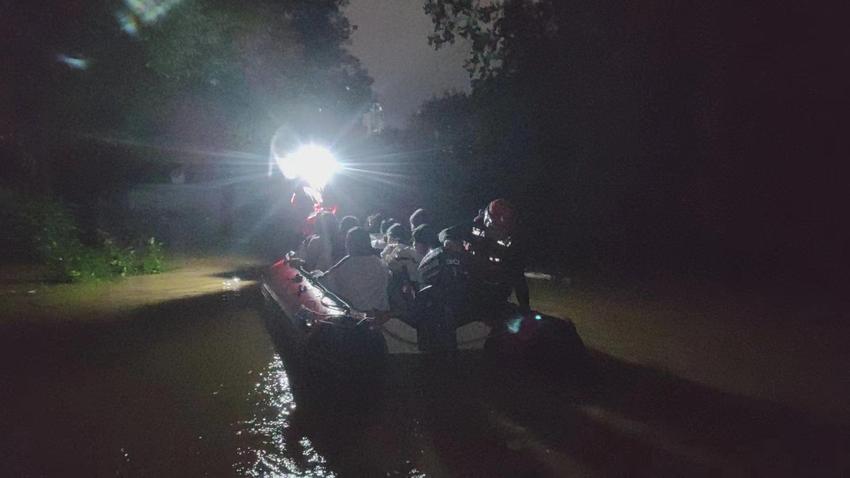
(272, 449)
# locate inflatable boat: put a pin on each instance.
(327, 334)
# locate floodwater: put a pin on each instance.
(198, 387)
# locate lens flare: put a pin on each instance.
(142, 12)
(313, 163)
(73, 62)
(514, 325)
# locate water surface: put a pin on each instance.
(198, 387)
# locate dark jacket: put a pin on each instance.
(497, 267)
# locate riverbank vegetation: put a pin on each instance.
(44, 231)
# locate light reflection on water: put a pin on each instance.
(273, 451)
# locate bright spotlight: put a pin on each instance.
(313, 163)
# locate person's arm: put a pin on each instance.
(298, 256)
(429, 268)
(328, 277)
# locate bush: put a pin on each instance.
(153, 260)
(45, 231)
(87, 264)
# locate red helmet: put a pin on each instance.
(500, 215)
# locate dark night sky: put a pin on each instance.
(391, 41)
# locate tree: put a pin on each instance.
(554, 111)
(662, 134)
(198, 74)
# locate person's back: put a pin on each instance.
(361, 281)
(345, 225)
(441, 307)
(445, 269)
(316, 252)
(361, 277)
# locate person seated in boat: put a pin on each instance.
(394, 235)
(497, 261)
(380, 242)
(361, 277)
(441, 304)
(402, 259)
(424, 239)
(373, 225)
(316, 251)
(403, 262)
(445, 268)
(345, 225)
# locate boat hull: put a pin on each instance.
(321, 331)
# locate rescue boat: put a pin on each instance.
(327, 334)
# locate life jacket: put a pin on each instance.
(493, 258)
(445, 270)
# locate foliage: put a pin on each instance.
(474, 20)
(153, 259)
(650, 135)
(45, 231)
(229, 68)
(501, 34)
(552, 124)
(110, 260)
(207, 74)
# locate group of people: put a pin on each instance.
(382, 265)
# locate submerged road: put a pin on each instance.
(196, 386)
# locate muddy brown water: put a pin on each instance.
(198, 387)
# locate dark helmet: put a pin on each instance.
(357, 242)
(373, 222)
(399, 233)
(425, 234)
(454, 233)
(346, 224)
(419, 217)
(386, 223)
(501, 216)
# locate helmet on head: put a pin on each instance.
(357, 242)
(500, 216)
(425, 234)
(419, 217)
(399, 233)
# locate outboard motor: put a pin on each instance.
(548, 343)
